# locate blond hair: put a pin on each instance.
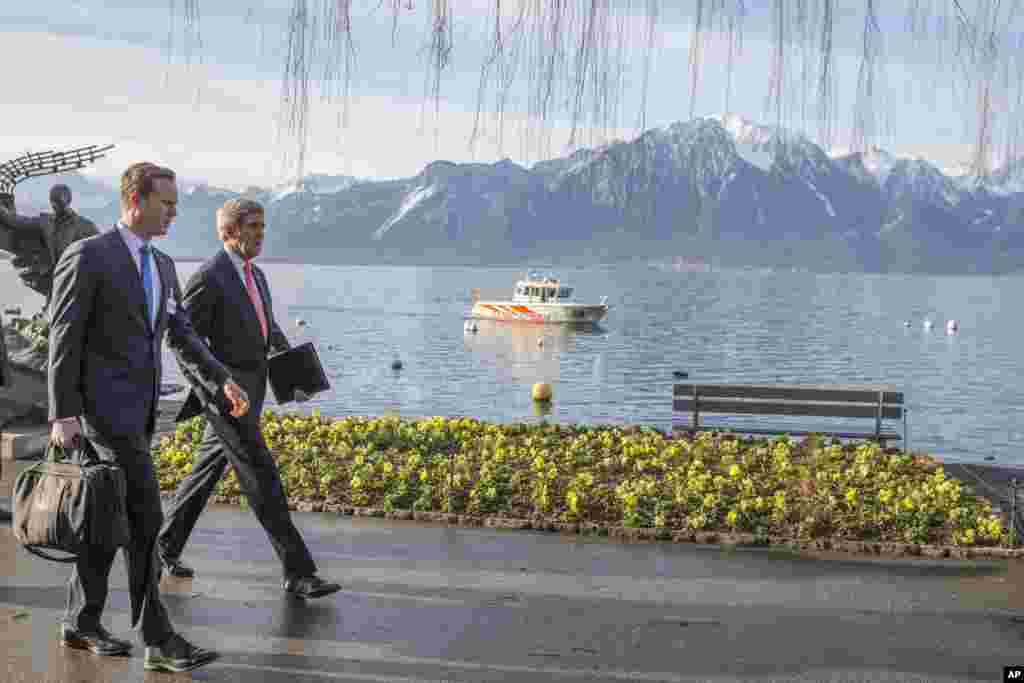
(234, 212)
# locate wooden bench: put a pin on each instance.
(873, 402)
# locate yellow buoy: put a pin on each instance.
(541, 391)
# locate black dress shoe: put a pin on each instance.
(310, 587)
(98, 642)
(177, 568)
(177, 655)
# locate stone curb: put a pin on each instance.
(721, 538)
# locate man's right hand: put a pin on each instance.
(66, 433)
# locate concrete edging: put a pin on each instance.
(729, 539)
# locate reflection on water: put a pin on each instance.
(525, 352)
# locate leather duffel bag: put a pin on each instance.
(70, 502)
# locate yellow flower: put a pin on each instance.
(387, 467)
(735, 472)
(732, 517)
(851, 496)
(423, 475)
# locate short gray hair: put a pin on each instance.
(234, 212)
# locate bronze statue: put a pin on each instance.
(43, 239)
(37, 243)
(5, 371)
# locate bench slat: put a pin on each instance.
(855, 393)
(745, 407)
(725, 429)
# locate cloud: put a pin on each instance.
(217, 119)
(85, 91)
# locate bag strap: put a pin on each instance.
(39, 553)
(83, 454)
(55, 452)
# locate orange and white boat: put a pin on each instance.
(540, 300)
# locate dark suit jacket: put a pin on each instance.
(105, 360)
(218, 304)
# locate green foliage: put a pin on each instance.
(612, 476)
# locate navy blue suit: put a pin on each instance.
(105, 367)
(222, 313)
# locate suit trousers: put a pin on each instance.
(261, 485)
(89, 583)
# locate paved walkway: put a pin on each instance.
(428, 603)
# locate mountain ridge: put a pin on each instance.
(724, 188)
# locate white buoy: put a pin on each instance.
(927, 324)
(952, 326)
(906, 323)
(300, 322)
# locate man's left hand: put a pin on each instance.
(301, 396)
(238, 398)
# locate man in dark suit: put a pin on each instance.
(229, 302)
(113, 298)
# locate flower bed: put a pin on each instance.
(35, 330)
(633, 482)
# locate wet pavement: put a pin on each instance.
(431, 603)
(428, 603)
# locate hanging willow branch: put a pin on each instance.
(295, 85)
(864, 110)
(571, 57)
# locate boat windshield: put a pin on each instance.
(544, 292)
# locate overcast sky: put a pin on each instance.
(97, 71)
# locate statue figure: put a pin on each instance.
(5, 372)
(39, 242)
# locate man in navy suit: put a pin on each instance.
(114, 296)
(229, 303)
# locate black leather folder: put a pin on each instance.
(297, 368)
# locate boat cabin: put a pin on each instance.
(542, 291)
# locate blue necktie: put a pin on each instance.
(147, 284)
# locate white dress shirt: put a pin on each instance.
(135, 243)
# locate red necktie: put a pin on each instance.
(254, 296)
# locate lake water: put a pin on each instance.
(965, 391)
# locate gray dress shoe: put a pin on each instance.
(177, 655)
(99, 642)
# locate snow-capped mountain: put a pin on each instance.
(721, 187)
(746, 190)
